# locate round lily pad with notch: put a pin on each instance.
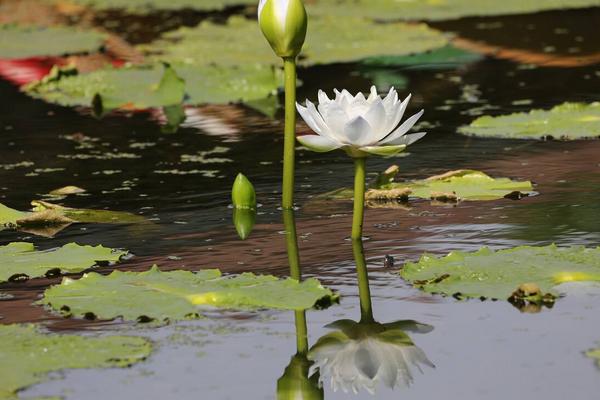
(155, 86)
(489, 274)
(29, 355)
(20, 260)
(568, 121)
(329, 40)
(176, 295)
(26, 42)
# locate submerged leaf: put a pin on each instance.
(66, 190)
(20, 42)
(176, 295)
(137, 87)
(238, 42)
(436, 9)
(20, 259)
(28, 355)
(568, 121)
(499, 274)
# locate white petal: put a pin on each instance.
(407, 140)
(373, 94)
(357, 132)
(323, 98)
(281, 11)
(318, 118)
(402, 129)
(261, 4)
(376, 117)
(309, 119)
(389, 100)
(396, 113)
(318, 143)
(335, 118)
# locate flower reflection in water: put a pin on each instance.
(362, 355)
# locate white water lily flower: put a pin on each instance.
(283, 22)
(359, 125)
(366, 355)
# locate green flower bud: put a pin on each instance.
(283, 22)
(243, 220)
(295, 384)
(242, 193)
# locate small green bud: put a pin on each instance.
(243, 220)
(283, 22)
(295, 384)
(242, 193)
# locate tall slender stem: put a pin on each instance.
(364, 292)
(291, 244)
(289, 141)
(359, 197)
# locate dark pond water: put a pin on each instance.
(481, 350)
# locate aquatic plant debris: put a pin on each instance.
(238, 42)
(489, 274)
(595, 355)
(26, 42)
(20, 260)
(568, 121)
(451, 186)
(28, 355)
(47, 219)
(177, 295)
(435, 10)
(139, 87)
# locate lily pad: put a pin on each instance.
(21, 260)
(437, 9)
(26, 42)
(140, 87)
(47, 219)
(239, 42)
(176, 295)
(459, 185)
(568, 121)
(498, 274)
(28, 355)
(147, 6)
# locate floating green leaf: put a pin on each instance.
(139, 87)
(567, 121)
(47, 219)
(456, 185)
(21, 42)
(498, 274)
(20, 259)
(175, 295)
(148, 6)
(437, 9)
(238, 42)
(28, 355)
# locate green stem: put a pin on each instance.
(289, 141)
(364, 292)
(291, 243)
(359, 197)
(301, 332)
